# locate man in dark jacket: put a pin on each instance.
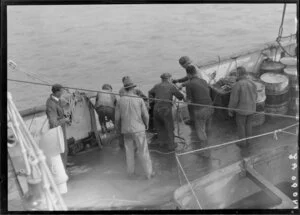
(185, 61)
(163, 117)
(198, 93)
(55, 115)
(243, 97)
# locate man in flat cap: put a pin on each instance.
(185, 61)
(163, 117)
(133, 119)
(56, 117)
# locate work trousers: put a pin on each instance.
(203, 118)
(164, 124)
(244, 127)
(191, 112)
(139, 141)
(64, 156)
(105, 111)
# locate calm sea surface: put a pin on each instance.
(87, 46)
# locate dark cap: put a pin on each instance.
(106, 87)
(56, 87)
(191, 69)
(185, 60)
(166, 75)
(124, 78)
(241, 71)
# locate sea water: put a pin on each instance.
(86, 46)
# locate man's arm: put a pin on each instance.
(151, 93)
(141, 94)
(177, 93)
(145, 114)
(181, 80)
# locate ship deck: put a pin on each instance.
(99, 180)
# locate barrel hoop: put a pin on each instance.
(277, 105)
(277, 99)
(272, 92)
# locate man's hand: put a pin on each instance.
(174, 81)
(230, 113)
(67, 121)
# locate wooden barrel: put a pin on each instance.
(289, 61)
(261, 91)
(292, 73)
(277, 92)
(258, 118)
(294, 106)
(271, 66)
(277, 109)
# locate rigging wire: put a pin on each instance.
(155, 99)
(280, 31)
(235, 141)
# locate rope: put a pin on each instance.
(35, 157)
(31, 121)
(235, 141)
(282, 21)
(164, 153)
(280, 32)
(188, 181)
(163, 100)
(289, 133)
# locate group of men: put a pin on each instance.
(130, 114)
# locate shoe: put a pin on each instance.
(243, 145)
(151, 176)
(132, 176)
(69, 164)
(205, 154)
(189, 122)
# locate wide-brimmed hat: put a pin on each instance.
(56, 87)
(166, 75)
(128, 83)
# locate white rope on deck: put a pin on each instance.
(186, 178)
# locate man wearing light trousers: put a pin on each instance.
(133, 119)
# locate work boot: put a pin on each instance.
(69, 164)
(132, 176)
(242, 144)
(205, 154)
(152, 175)
(190, 122)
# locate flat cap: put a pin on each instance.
(56, 87)
(185, 60)
(166, 75)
